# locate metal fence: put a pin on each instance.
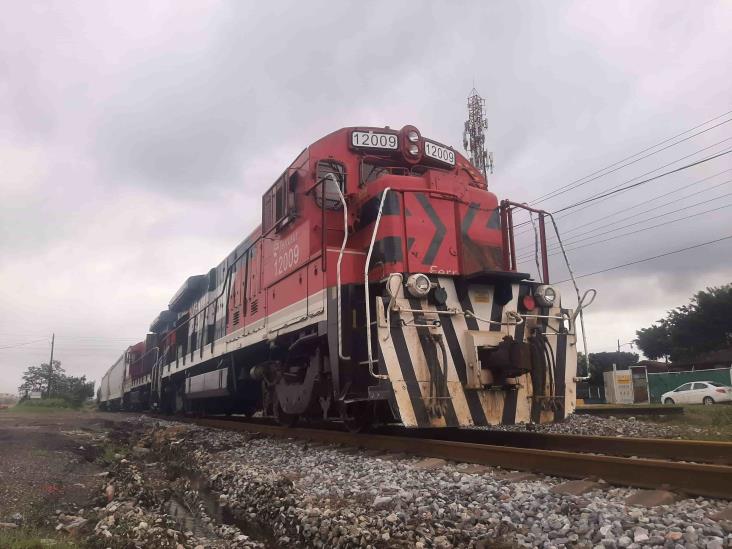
(667, 381)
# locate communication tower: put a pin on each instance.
(474, 134)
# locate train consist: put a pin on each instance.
(380, 286)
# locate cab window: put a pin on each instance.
(698, 386)
(330, 176)
(685, 387)
(278, 203)
(372, 170)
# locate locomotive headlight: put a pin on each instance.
(546, 296)
(410, 144)
(418, 285)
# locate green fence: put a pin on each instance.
(668, 381)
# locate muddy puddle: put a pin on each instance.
(191, 512)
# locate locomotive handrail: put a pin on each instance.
(511, 314)
(509, 245)
(338, 268)
(519, 318)
(366, 287)
(509, 257)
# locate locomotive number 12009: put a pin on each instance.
(438, 152)
(285, 259)
(288, 253)
(374, 140)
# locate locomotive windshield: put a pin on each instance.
(371, 171)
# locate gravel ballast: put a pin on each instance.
(593, 425)
(323, 496)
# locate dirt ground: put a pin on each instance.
(47, 462)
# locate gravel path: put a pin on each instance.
(580, 424)
(323, 496)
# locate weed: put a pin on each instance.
(716, 420)
(44, 405)
(25, 538)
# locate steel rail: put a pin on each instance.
(705, 451)
(699, 451)
(643, 410)
(709, 480)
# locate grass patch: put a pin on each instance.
(107, 455)
(44, 405)
(23, 538)
(716, 420)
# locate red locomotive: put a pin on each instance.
(381, 285)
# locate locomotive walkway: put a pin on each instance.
(695, 468)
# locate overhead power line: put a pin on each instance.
(653, 199)
(616, 220)
(595, 242)
(67, 347)
(105, 338)
(557, 250)
(647, 259)
(606, 171)
(596, 197)
(23, 344)
(576, 239)
(643, 182)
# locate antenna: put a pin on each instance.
(474, 134)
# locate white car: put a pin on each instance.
(698, 392)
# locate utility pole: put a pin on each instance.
(617, 359)
(50, 365)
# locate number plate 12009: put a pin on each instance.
(375, 140)
(439, 152)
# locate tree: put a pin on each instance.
(704, 325)
(654, 341)
(74, 390)
(581, 365)
(603, 362)
(36, 378)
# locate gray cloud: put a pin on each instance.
(136, 139)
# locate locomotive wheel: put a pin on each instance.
(357, 416)
(283, 418)
(249, 410)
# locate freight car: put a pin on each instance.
(381, 285)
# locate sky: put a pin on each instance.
(136, 139)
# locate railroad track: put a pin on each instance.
(701, 451)
(655, 463)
